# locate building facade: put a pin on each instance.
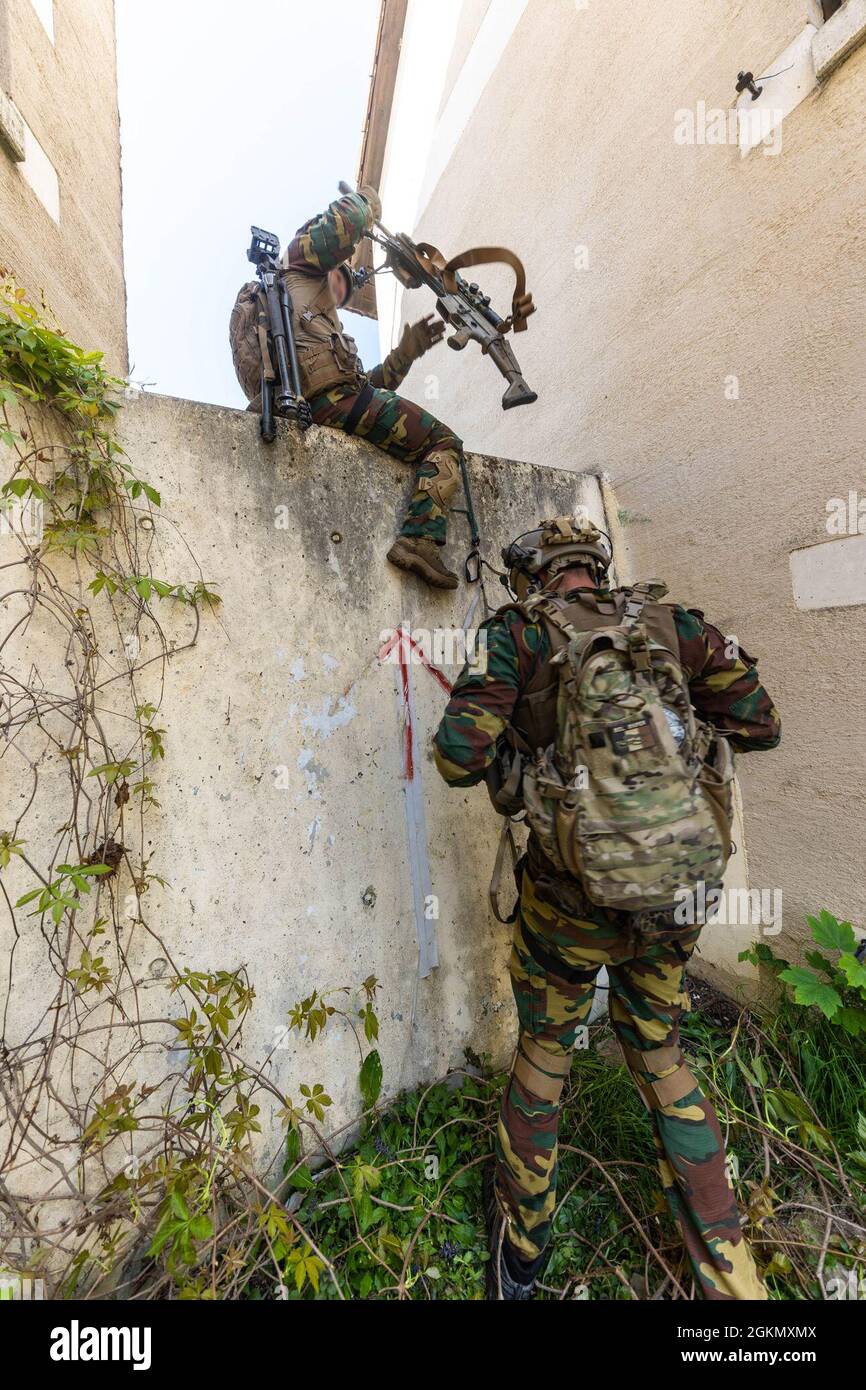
(684, 184)
(60, 189)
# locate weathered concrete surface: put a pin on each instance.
(284, 878)
(282, 831)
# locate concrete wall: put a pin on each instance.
(284, 824)
(699, 339)
(60, 210)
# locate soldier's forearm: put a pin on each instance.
(455, 774)
(390, 373)
(464, 745)
(331, 238)
(749, 735)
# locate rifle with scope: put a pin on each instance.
(460, 303)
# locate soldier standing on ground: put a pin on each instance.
(561, 938)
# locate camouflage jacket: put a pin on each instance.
(327, 241)
(725, 692)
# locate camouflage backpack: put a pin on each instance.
(634, 796)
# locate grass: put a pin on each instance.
(400, 1215)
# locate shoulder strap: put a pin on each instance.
(506, 842)
(321, 303)
(262, 326)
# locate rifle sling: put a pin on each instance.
(362, 400)
(434, 262)
(506, 841)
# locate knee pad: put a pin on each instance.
(658, 1092)
(445, 480)
(540, 1072)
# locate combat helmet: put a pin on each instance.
(553, 546)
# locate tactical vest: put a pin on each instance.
(327, 356)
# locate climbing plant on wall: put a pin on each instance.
(115, 1166)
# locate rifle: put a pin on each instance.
(264, 253)
(459, 303)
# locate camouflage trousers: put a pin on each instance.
(410, 434)
(554, 961)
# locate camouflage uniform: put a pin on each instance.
(410, 434)
(391, 422)
(561, 940)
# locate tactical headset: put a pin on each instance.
(556, 545)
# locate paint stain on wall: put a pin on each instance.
(314, 772)
(327, 721)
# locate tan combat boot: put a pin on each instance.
(419, 555)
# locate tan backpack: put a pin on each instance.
(327, 355)
(248, 337)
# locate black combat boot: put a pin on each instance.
(510, 1276)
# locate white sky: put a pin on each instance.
(231, 114)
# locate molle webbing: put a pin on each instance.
(540, 1072)
(534, 717)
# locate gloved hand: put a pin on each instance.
(418, 338)
(374, 202)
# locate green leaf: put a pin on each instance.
(822, 964)
(365, 1212)
(853, 1021)
(370, 1079)
(808, 989)
(853, 971)
(28, 897)
(179, 1206)
(201, 1226)
(787, 1108)
(819, 1136)
(302, 1178)
(828, 931)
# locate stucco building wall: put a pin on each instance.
(60, 220)
(699, 339)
